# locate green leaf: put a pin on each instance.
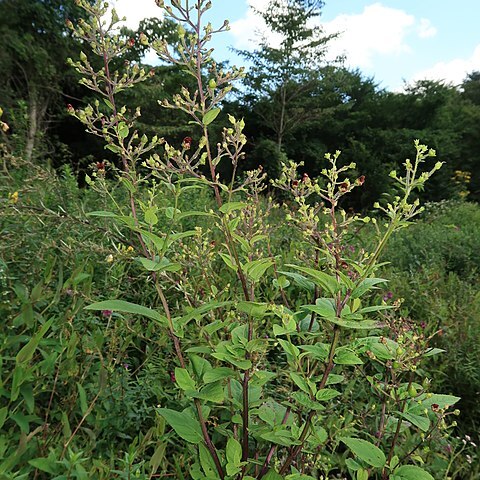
(267, 414)
(228, 261)
(193, 213)
(366, 285)
(151, 216)
(210, 116)
(345, 356)
(158, 455)
(230, 206)
(423, 423)
(366, 451)
(200, 365)
(27, 351)
(322, 279)
(281, 436)
(300, 382)
(300, 280)
(102, 213)
(44, 464)
(206, 461)
(155, 240)
(200, 312)
(433, 351)
(355, 324)
(411, 472)
(163, 265)
(290, 349)
(254, 309)
(375, 308)
(443, 401)
(184, 380)
(3, 416)
(256, 268)
(123, 130)
(213, 392)
(305, 401)
(326, 394)
(108, 103)
(219, 373)
(323, 307)
(299, 476)
(82, 396)
(319, 351)
(362, 474)
(333, 379)
(184, 425)
(170, 212)
(113, 148)
(234, 456)
(127, 307)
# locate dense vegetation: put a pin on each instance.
(228, 278)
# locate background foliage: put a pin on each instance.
(77, 388)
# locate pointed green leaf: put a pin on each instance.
(218, 374)
(123, 130)
(322, 279)
(366, 451)
(256, 268)
(234, 456)
(210, 116)
(184, 425)
(184, 380)
(127, 307)
(423, 423)
(411, 472)
(326, 394)
(230, 206)
(27, 351)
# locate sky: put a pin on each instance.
(395, 42)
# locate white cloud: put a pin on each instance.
(426, 29)
(248, 29)
(453, 71)
(377, 30)
(135, 11)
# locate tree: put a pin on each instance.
(282, 77)
(35, 43)
(471, 87)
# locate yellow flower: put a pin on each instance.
(13, 197)
(129, 249)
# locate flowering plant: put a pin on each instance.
(285, 368)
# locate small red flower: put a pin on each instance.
(172, 376)
(187, 143)
(295, 183)
(100, 165)
(344, 187)
(70, 108)
(107, 313)
(435, 407)
(361, 180)
(305, 178)
(131, 42)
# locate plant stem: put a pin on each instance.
(311, 415)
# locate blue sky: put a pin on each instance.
(390, 40)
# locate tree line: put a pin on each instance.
(296, 105)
